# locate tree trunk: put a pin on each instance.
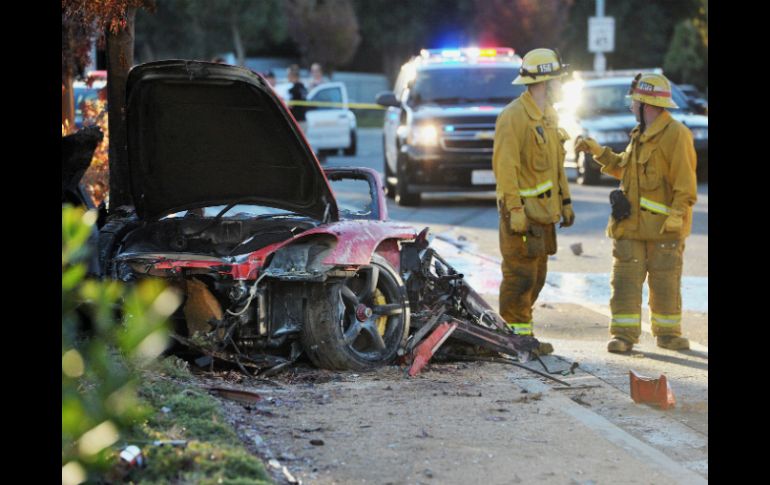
(120, 58)
(237, 42)
(67, 101)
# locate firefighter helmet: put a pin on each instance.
(541, 65)
(652, 89)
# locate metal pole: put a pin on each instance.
(600, 62)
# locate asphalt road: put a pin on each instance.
(473, 217)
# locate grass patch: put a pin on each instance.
(369, 118)
(213, 454)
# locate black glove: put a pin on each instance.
(621, 207)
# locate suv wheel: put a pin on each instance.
(587, 173)
(352, 149)
(390, 189)
(403, 197)
(361, 323)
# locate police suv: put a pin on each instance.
(440, 122)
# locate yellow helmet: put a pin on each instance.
(540, 65)
(652, 89)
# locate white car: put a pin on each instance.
(329, 129)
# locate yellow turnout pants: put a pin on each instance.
(661, 263)
(525, 264)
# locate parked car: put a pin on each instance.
(330, 129)
(598, 108)
(440, 124)
(231, 206)
(695, 97)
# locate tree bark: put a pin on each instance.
(120, 58)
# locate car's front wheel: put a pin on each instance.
(403, 196)
(353, 148)
(362, 323)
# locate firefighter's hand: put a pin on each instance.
(517, 220)
(588, 144)
(567, 216)
(674, 222)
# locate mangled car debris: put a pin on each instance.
(275, 255)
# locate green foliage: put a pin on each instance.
(192, 29)
(326, 31)
(684, 61)
(643, 29)
(99, 381)
(212, 455)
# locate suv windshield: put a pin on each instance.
(600, 100)
(471, 85)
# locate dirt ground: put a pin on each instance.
(481, 422)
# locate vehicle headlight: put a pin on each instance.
(700, 133)
(425, 135)
(604, 137)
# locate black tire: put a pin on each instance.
(587, 171)
(390, 189)
(353, 148)
(403, 196)
(334, 338)
(109, 240)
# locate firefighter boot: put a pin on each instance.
(672, 342)
(617, 344)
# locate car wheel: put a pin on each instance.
(587, 173)
(403, 196)
(352, 149)
(390, 189)
(363, 322)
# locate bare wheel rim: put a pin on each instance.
(372, 313)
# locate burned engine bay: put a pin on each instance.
(261, 314)
(220, 237)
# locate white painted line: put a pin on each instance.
(616, 435)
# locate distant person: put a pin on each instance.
(316, 75)
(297, 92)
(270, 78)
(657, 173)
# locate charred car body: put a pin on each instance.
(231, 206)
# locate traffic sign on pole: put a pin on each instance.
(601, 34)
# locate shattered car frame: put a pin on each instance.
(300, 267)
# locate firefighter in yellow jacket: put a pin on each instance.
(657, 171)
(532, 189)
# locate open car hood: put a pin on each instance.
(203, 134)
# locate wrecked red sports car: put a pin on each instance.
(275, 255)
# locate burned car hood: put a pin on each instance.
(203, 134)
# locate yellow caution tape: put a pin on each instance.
(329, 104)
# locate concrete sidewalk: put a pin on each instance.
(479, 422)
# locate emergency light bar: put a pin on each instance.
(467, 53)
